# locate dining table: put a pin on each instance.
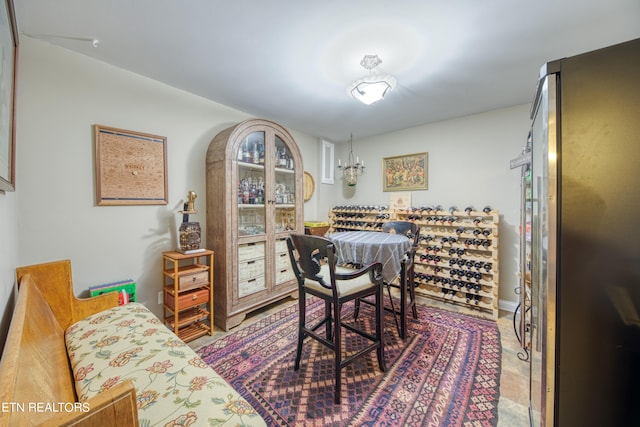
(367, 247)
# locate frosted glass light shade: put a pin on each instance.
(371, 89)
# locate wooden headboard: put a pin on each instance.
(35, 370)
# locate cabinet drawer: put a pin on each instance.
(187, 299)
(250, 286)
(281, 245)
(249, 269)
(282, 260)
(284, 275)
(250, 251)
(194, 280)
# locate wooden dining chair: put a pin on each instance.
(407, 273)
(314, 264)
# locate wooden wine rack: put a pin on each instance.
(363, 218)
(457, 261)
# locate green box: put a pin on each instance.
(127, 285)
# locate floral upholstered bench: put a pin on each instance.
(89, 362)
(173, 385)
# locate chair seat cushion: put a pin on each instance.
(173, 385)
(345, 287)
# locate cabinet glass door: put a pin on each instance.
(285, 187)
(251, 185)
(252, 213)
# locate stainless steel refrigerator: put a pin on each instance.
(581, 314)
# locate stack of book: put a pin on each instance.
(126, 290)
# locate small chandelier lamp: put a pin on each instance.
(372, 88)
(352, 168)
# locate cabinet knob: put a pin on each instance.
(193, 298)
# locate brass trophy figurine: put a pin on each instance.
(189, 232)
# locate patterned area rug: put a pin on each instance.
(445, 373)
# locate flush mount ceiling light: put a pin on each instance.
(374, 87)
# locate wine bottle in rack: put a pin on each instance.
(457, 256)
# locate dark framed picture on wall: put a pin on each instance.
(9, 47)
(408, 172)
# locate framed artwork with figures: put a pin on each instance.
(405, 173)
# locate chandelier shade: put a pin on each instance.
(372, 88)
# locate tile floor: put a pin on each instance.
(514, 382)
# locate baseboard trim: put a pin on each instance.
(509, 306)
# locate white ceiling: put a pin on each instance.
(291, 60)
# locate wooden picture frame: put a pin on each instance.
(131, 167)
(9, 55)
(405, 173)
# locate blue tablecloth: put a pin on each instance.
(366, 247)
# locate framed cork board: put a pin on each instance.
(131, 167)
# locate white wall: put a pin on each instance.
(53, 214)
(61, 94)
(8, 258)
(468, 165)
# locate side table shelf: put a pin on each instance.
(187, 289)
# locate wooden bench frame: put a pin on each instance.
(36, 381)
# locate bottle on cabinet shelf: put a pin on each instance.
(255, 155)
(251, 192)
(244, 221)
